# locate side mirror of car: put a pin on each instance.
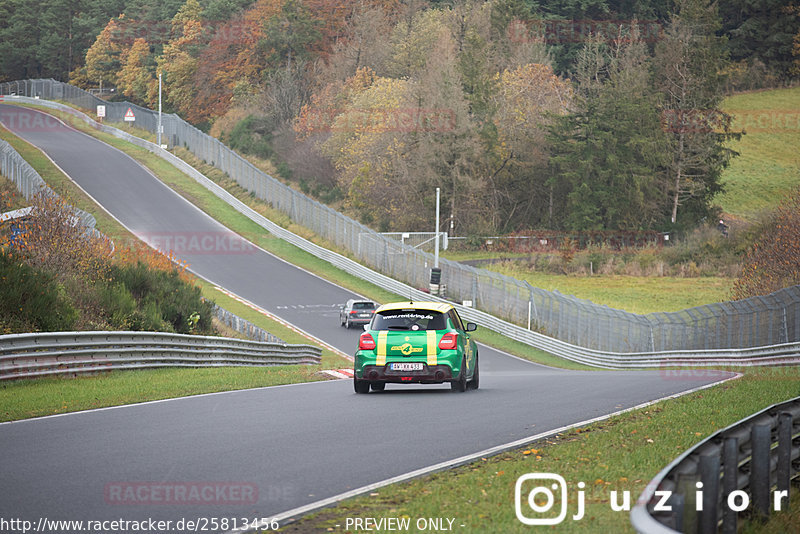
(471, 327)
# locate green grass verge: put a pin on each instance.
(768, 167)
(21, 399)
(228, 216)
(636, 294)
(619, 454)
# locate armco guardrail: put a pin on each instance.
(761, 321)
(734, 470)
(58, 353)
(780, 354)
(244, 326)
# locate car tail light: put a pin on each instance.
(449, 341)
(353, 312)
(365, 342)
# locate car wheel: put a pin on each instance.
(341, 322)
(475, 382)
(361, 386)
(378, 386)
(347, 323)
(460, 385)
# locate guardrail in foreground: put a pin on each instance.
(733, 470)
(54, 353)
(781, 354)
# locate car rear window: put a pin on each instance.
(363, 305)
(409, 320)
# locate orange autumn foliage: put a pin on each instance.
(54, 240)
(231, 57)
(153, 259)
(318, 115)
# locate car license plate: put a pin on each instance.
(363, 315)
(406, 366)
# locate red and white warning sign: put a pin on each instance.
(129, 116)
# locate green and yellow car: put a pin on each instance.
(416, 342)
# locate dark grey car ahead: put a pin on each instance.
(356, 312)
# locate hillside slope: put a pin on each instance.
(768, 167)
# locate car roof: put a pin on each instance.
(442, 307)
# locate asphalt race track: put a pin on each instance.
(258, 453)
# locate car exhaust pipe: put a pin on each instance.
(440, 375)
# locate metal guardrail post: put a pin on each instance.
(687, 487)
(730, 480)
(761, 439)
(784, 467)
(677, 502)
(709, 476)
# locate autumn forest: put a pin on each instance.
(570, 115)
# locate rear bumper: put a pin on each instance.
(430, 374)
(359, 320)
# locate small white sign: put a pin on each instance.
(101, 111)
(129, 116)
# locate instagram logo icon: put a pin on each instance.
(535, 496)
